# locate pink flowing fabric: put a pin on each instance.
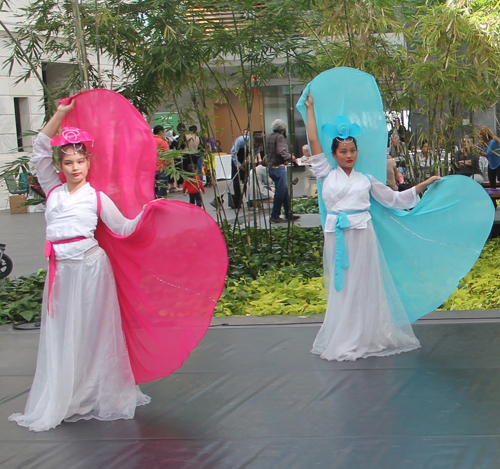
(170, 272)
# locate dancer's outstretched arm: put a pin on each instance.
(312, 130)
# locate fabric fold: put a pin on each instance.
(429, 248)
(171, 271)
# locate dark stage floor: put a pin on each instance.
(254, 397)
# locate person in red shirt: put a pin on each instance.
(193, 187)
(161, 178)
(159, 136)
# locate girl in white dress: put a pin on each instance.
(364, 315)
(83, 369)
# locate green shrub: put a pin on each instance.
(278, 292)
(304, 252)
(275, 280)
(309, 205)
(21, 298)
(480, 288)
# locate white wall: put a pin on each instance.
(33, 113)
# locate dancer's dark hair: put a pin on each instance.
(337, 141)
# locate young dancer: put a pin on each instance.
(97, 340)
(83, 367)
(361, 319)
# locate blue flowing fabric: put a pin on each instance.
(348, 92)
(429, 249)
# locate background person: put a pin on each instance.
(306, 156)
(399, 129)
(278, 157)
(397, 149)
(392, 174)
(162, 180)
(304, 175)
(239, 152)
(240, 163)
(467, 161)
(492, 153)
(260, 187)
(193, 188)
(196, 146)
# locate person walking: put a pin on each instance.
(278, 158)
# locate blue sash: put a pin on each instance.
(341, 256)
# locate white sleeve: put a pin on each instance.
(42, 160)
(320, 165)
(393, 199)
(114, 220)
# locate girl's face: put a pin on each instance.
(75, 167)
(346, 155)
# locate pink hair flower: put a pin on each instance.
(71, 136)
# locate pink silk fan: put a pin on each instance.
(170, 272)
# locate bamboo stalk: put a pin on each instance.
(80, 41)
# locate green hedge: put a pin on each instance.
(275, 280)
(309, 205)
(277, 292)
(21, 299)
(480, 288)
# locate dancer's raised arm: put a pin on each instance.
(312, 130)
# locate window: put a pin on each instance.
(21, 112)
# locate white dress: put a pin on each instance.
(365, 318)
(83, 369)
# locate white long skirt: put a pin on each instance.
(366, 318)
(83, 369)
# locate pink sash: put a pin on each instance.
(51, 254)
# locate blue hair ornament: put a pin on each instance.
(341, 128)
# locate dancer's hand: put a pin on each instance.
(309, 101)
(55, 121)
(423, 185)
(65, 108)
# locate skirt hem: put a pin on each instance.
(353, 357)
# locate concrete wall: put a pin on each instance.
(32, 111)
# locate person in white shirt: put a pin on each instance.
(360, 318)
(306, 156)
(83, 367)
(260, 186)
(303, 177)
(392, 173)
